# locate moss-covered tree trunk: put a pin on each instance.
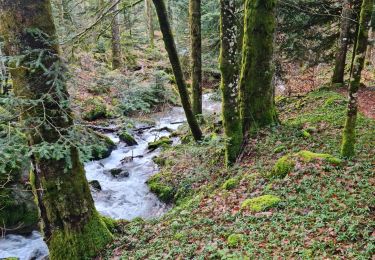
(72, 227)
(150, 24)
(196, 55)
(257, 106)
(348, 142)
(346, 18)
(116, 38)
(229, 80)
(176, 67)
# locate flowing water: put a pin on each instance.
(119, 198)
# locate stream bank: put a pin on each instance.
(123, 197)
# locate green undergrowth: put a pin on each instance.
(321, 207)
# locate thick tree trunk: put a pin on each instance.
(348, 141)
(196, 55)
(116, 39)
(72, 227)
(150, 24)
(176, 67)
(257, 104)
(229, 81)
(339, 71)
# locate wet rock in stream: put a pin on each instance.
(117, 173)
(95, 185)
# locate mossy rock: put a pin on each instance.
(230, 184)
(19, 213)
(283, 166)
(286, 164)
(261, 203)
(94, 108)
(103, 147)
(310, 156)
(127, 138)
(235, 240)
(162, 142)
(164, 192)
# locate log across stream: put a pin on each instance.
(123, 197)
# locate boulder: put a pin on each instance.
(95, 185)
(118, 173)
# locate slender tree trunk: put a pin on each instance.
(150, 24)
(339, 71)
(357, 14)
(196, 55)
(348, 141)
(371, 35)
(229, 80)
(71, 225)
(257, 106)
(176, 67)
(116, 40)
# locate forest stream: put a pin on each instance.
(125, 197)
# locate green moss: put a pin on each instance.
(306, 134)
(261, 203)
(127, 138)
(162, 142)
(80, 244)
(103, 147)
(310, 156)
(18, 213)
(283, 166)
(95, 108)
(163, 191)
(235, 240)
(230, 184)
(110, 223)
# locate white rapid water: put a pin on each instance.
(120, 198)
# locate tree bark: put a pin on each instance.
(116, 39)
(72, 227)
(229, 81)
(339, 71)
(257, 106)
(196, 55)
(150, 24)
(348, 140)
(176, 67)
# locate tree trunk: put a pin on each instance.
(229, 81)
(196, 55)
(257, 106)
(339, 71)
(371, 36)
(71, 225)
(116, 39)
(150, 24)
(176, 67)
(348, 141)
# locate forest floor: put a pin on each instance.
(323, 208)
